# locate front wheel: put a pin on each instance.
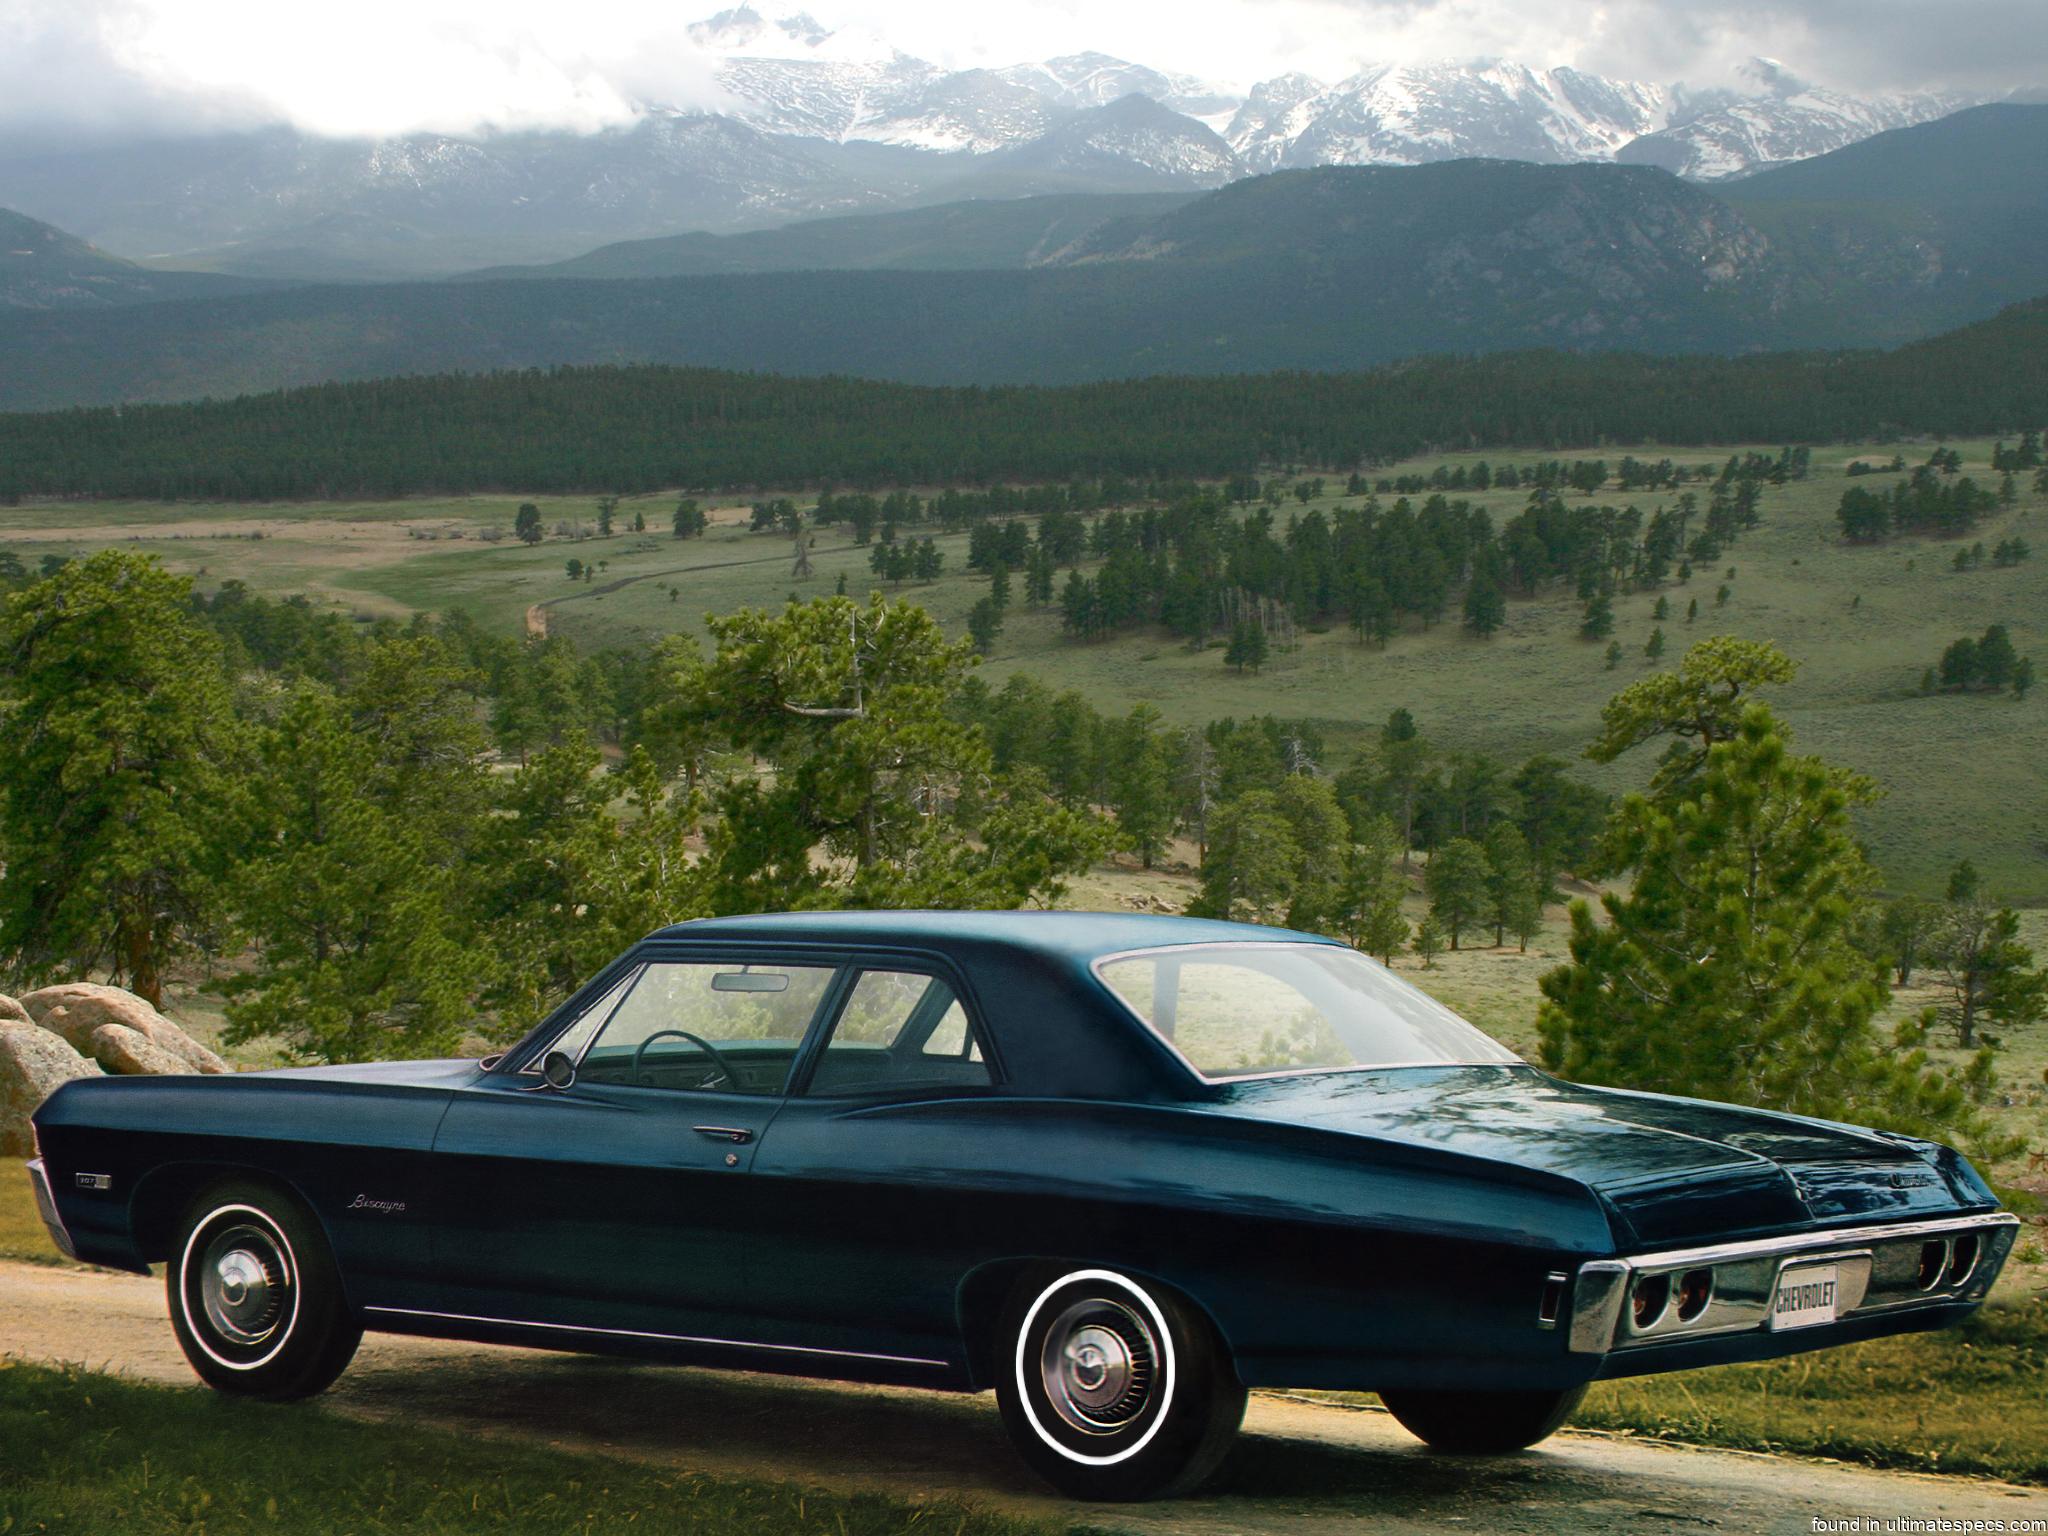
(1112, 1390)
(255, 1297)
(1481, 1423)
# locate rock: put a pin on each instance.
(33, 1065)
(75, 1009)
(121, 1049)
(13, 1012)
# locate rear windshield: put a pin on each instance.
(1247, 1010)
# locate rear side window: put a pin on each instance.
(900, 1031)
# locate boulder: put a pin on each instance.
(12, 1011)
(121, 1049)
(75, 1009)
(33, 1065)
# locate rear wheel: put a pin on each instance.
(1481, 1423)
(255, 1297)
(1113, 1390)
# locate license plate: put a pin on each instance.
(1806, 1297)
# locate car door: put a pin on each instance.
(865, 1229)
(620, 1202)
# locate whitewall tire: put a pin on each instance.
(1112, 1388)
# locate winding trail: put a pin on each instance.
(1303, 1469)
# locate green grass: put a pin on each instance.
(92, 1453)
(21, 1229)
(1969, 1399)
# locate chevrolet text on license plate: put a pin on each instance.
(1806, 1297)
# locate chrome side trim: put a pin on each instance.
(1599, 1296)
(46, 1207)
(660, 1338)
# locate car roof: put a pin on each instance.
(1081, 936)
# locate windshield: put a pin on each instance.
(1242, 1010)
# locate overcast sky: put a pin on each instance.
(385, 66)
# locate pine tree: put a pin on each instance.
(1248, 874)
(1485, 607)
(527, 525)
(121, 791)
(1597, 622)
(1513, 900)
(1458, 880)
(1141, 782)
(1321, 835)
(1366, 908)
(355, 905)
(1989, 973)
(984, 625)
(1429, 939)
(1733, 968)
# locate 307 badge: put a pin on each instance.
(1806, 1297)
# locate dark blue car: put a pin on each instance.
(1117, 1168)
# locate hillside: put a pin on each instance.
(42, 267)
(1938, 221)
(643, 429)
(1330, 269)
(975, 234)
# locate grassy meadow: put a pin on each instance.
(1964, 776)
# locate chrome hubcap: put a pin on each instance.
(1098, 1365)
(245, 1285)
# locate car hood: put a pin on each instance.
(1671, 1169)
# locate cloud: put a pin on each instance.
(365, 67)
(386, 66)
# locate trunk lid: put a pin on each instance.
(1674, 1170)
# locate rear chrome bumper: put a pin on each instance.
(1882, 1270)
(46, 1207)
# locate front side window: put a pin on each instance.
(900, 1031)
(722, 1028)
(1245, 1010)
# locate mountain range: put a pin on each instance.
(1911, 232)
(804, 122)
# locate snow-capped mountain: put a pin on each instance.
(1132, 143)
(1411, 114)
(808, 120)
(1775, 117)
(787, 74)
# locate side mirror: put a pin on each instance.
(558, 1070)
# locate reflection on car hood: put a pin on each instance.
(1674, 1169)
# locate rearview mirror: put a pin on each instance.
(750, 981)
(558, 1070)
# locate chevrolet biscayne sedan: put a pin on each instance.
(1118, 1168)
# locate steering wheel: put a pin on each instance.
(724, 1068)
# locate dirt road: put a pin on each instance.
(1365, 1473)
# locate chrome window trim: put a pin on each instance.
(1095, 969)
(800, 1083)
(1602, 1287)
(665, 1338)
(627, 979)
(835, 973)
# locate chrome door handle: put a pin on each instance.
(733, 1133)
